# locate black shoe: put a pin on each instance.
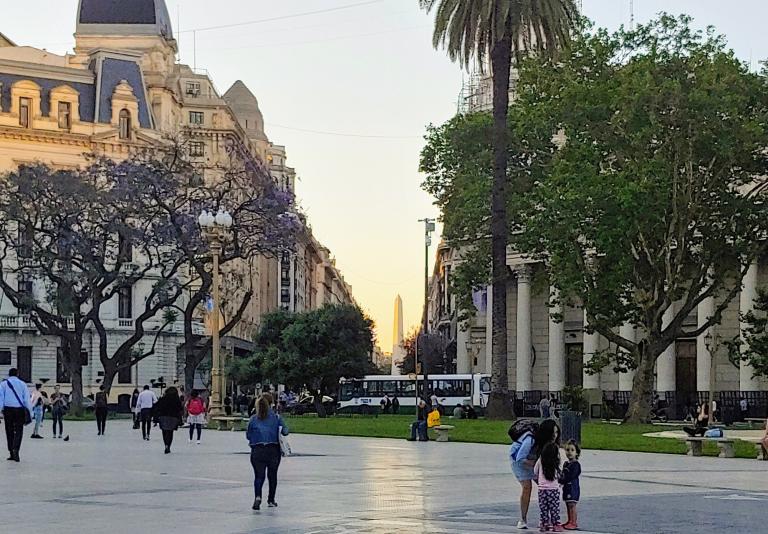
(167, 450)
(15, 456)
(11, 458)
(272, 504)
(67, 438)
(256, 503)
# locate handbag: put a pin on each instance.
(285, 445)
(27, 415)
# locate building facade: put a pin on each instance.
(123, 90)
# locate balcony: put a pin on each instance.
(23, 322)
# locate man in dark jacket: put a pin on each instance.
(420, 425)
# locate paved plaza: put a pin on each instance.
(121, 484)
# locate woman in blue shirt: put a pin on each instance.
(523, 455)
(263, 435)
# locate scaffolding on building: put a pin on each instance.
(477, 91)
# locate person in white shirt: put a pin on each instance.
(38, 405)
(14, 402)
(144, 405)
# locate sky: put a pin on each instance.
(349, 87)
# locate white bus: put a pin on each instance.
(365, 394)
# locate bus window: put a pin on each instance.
(347, 391)
(388, 387)
(408, 389)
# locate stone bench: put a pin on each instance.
(229, 422)
(696, 446)
(442, 432)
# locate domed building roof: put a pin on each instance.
(124, 17)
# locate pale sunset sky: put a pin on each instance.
(349, 91)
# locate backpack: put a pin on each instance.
(196, 406)
(520, 427)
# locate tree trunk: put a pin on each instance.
(500, 402)
(71, 350)
(639, 410)
(109, 378)
(189, 374)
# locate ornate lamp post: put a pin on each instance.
(215, 230)
(712, 341)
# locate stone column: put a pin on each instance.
(704, 310)
(627, 331)
(666, 370)
(556, 347)
(489, 331)
(463, 365)
(591, 346)
(747, 304)
(523, 356)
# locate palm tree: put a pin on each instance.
(473, 32)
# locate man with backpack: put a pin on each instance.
(17, 411)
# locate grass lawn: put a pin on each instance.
(595, 435)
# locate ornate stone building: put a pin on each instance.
(121, 90)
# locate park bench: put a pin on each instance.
(229, 422)
(442, 432)
(696, 446)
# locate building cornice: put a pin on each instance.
(52, 72)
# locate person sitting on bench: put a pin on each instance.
(702, 421)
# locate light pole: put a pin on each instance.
(215, 229)
(712, 342)
(429, 227)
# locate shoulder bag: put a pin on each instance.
(27, 415)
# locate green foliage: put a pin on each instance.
(310, 350)
(432, 355)
(573, 399)
(752, 347)
(644, 204)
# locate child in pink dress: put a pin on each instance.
(547, 472)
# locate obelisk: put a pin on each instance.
(398, 352)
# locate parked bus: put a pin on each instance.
(364, 395)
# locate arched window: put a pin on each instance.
(125, 124)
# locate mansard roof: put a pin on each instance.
(124, 17)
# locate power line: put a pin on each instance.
(283, 17)
(342, 134)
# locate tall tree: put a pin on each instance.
(310, 350)
(473, 32)
(655, 201)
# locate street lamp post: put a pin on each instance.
(215, 230)
(712, 342)
(429, 227)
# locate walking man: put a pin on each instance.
(17, 411)
(144, 405)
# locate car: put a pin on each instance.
(306, 404)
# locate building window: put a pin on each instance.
(25, 109)
(196, 117)
(196, 149)
(124, 249)
(193, 88)
(65, 115)
(5, 357)
(24, 363)
(62, 373)
(125, 302)
(25, 287)
(125, 124)
(24, 247)
(124, 375)
(84, 358)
